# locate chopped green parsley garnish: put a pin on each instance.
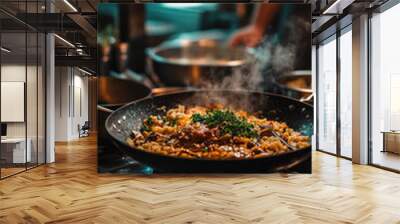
(227, 122)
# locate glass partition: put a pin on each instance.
(41, 96)
(346, 93)
(31, 98)
(385, 89)
(22, 90)
(326, 96)
(15, 151)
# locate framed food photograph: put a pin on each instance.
(204, 88)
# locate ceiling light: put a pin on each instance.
(79, 51)
(337, 7)
(70, 5)
(5, 50)
(181, 5)
(84, 71)
(65, 41)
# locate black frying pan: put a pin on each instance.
(296, 114)
(114, 94)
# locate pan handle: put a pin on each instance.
(154, 92)
(104, 109)
(169, 90)
(307, 99)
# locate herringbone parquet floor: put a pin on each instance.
(70, 191)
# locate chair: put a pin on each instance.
(84, 130)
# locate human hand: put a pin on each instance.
(249, 36)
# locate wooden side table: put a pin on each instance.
(391, 141)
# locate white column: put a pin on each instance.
(50, 92)
(50, 99)
(360, 90)
(314, 89)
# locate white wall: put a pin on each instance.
(62, 81)
(71, 93)
(15, 72)
(80, 100)
(33, 127)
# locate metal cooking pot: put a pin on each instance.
(296, 84)
(118, 92)
(197, 63)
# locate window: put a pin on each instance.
(327, 96)
(314, 89)
(385, 89)
(346, 93)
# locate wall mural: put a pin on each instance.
(204, 88)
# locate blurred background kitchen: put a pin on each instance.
(173, 44)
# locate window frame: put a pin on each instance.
(378, 10)
(333, 37)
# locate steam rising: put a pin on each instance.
(272, 57)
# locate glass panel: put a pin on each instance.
(31, 98)
(41, 111)
(327, 96)
(385, 84)
(346, 94)
(41, 99)
(32, 88)
(13, 86)
(23, 82)
(313, 83)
